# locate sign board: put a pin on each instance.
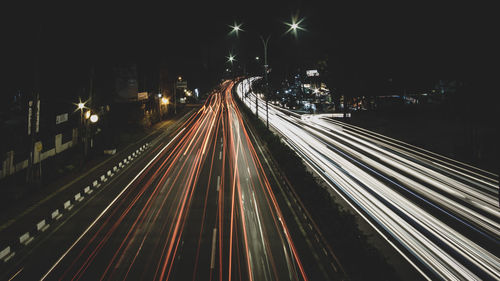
(61, 118)
(181, 84)
(142, 96)
(312, 72)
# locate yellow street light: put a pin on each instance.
(87, 114)
(164, 100)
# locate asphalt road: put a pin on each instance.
(441, 215)
(197, 205)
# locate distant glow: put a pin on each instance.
(81, 105)
(164, 100)
(257, 58)
(159, 95)
(87, 114)
(316, 91)
(179, 78)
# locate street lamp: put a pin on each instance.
(294, 26)
(94, 118)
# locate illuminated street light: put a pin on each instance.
(164, 100)
(81, 105)
(294, 26)
(94, 118)
(231, 58)
(235, 28)
(87, 114)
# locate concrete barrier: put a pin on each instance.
(68, 206)
(42, 226)
(120, 165)
(133, 154)
(79, 197)
(6, 254)
(129, 157)
(109, 173)
(115, 169)
(87, 190)
(95, 183)
(103, 178)
(25, 239)
(56, 215)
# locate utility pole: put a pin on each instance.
(86, 122)
(175, 100)
(265, 42)
(34, 174)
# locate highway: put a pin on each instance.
(441, 215)
(198, 205)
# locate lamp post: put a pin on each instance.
(293, 27)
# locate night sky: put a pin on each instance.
(414, 44)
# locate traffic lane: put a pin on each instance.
(401, 205)
(471, 188)
(422, 192)
(446, 165)
(268, 248)
(196, 258)
(318, 261)
(136, 213)
(29, 216)
(44, 252)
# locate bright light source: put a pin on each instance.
(94, 118)
(87, 114)
(294, 25)
(164, 100)
(179, 78)
(257, 58)
(316, 91)
(235, 28)
(81, 105)
(231, 58)
(159, 95)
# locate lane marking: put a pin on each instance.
(212, 256)
(218, 183)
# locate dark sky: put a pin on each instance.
(414, 43)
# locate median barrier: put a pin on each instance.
(25, 239)
(56, 215)
(42, 226)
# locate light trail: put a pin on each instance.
(441, 212)
(144, 232)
